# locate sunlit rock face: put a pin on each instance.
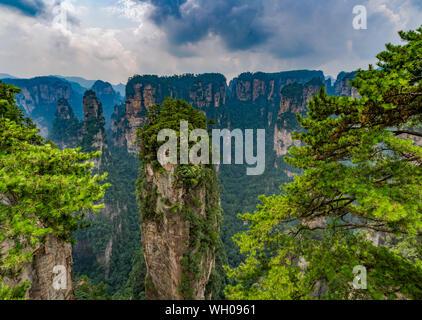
(49, 273)
(207, 92)
(166, 237)
(293, 100)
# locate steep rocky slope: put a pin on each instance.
(180, 215)
(93, 130)
(40, 95)
(108, 97)
(167, 240)
(66, 131)
(51, 261)
(250, 101)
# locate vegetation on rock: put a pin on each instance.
(362, 178)
(42, 190)
(203, 233)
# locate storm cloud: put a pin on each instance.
(26, 7)
(286, 29)
(240, 23)
(114, 39)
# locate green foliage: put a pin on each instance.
(42, 190)
(66, 129)
(360, 174)
(119, 222)
(166, 117)
(135, 285)
(8, 107)
(13, 293)
(203, 230)
(86, 290)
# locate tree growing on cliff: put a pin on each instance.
(362, 164)
(42, 190)
(198, 207)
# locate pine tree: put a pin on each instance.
(42, 190)
(362, 177)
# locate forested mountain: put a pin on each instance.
(39, 97)
(269, 101)
(108, 259)
(287, 185)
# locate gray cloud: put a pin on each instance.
(115, 39)
(240, 23)
(288, 29)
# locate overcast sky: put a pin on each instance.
(112, 40)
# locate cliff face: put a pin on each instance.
(39, 98)
(93, 131)
(205, 92)
(118, 127)
(66, 131)
(252, 86)
(52, 254)
(108, 97)
(294, 98)
(143, 96)
(342, 85)
(51, 260)
(166, 239)
(180, 215)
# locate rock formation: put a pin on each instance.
(66, 131)
(252, 86)
(49, 271)
(51, 260)
(94, 139)
(93, 131)
(180, 221)
(39, 98)
(294, 98)
(175, 269)
(108, 97)
(342, 85)
(205, 92)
